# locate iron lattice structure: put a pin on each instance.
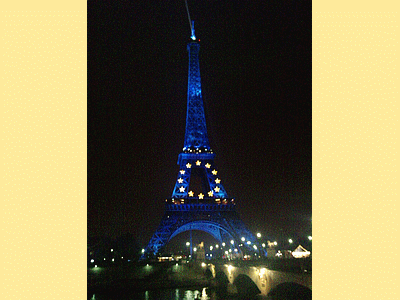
(210, 210)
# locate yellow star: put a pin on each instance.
(191, 194)
(217, 189)
(217, 180)
(182, 171)
(180, 180)
(188, 165)
(210, 193)
(214, 172)
(198, 163)
(201, 196)
(181, 189)
(208, 165)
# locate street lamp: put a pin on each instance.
(243, 239)
(258, 235)
(194, 249)
(290, 241)
(223, 244)
(187, 244)
(263, 245)
(232, 242)
(143, 250)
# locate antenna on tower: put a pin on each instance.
(191, 23)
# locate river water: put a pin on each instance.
(167, 294)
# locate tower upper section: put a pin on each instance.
(196, 137)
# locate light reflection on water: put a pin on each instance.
(163, 294)
(169, 294)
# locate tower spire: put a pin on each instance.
(196, 130)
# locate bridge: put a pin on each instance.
(257, 277)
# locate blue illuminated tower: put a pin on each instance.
(199, 200)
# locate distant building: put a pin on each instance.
(201, 253)
(300, 252)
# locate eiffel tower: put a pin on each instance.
(209, 209)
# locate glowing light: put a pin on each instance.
(211, 247)
(180, 180)
(216, 189)
(230, 250)
(236, 250)
(230, 268)
(92, 260)
(112, 250)
(201, 196)
(191, 194)
(217, 246)
(248, 242)
(112, 259)
(194, 249)
(258, 234)
(181, 189)
(262, 272)
(275, 243)
(232, 242)
(198, 163)
(243, 239)
(255, 247)
(310, 237)
(263, 245)
(214, 172)
(188, 165)
(182, 172)
(95, 266)
(203, 265)
(290, 241)
(187, 244)
(210, 193)
(226, 252)
(143, 250)
(207, 165)
(217, 180)
(223, 244)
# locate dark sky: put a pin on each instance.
(255, 64)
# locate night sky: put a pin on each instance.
(255, 64)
